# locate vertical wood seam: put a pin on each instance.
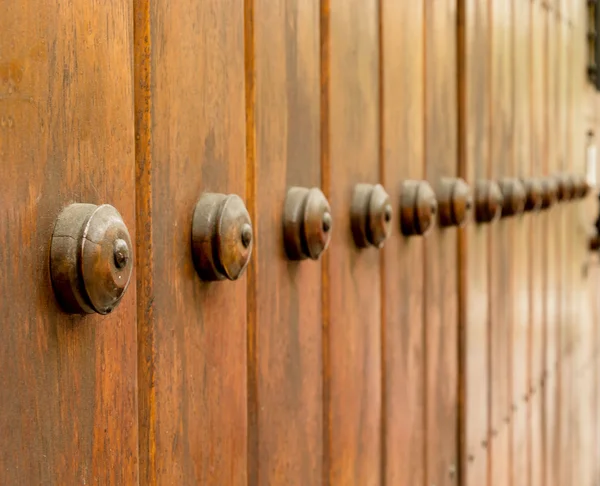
(324, 24)
(382, 274)
(251, 321)
(146, 349)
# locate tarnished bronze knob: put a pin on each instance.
(514, 196)
(549, 190)
(533, 193)
(488, 201)
(418, 208)
(222, 237)
(582, 188)
(91, 258)
(307, 223)
(370, 215)
(565, 187)
(455, 201)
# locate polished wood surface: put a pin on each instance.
(68, 385)
(191, 334)
(465, 357)
(402, 153)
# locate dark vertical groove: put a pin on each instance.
(326, 187)
(462, 247)
(252, 365)
(382, 254)
(146, 400)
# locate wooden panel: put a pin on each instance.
(352, 280)
(68, 385)
(474, 129)
(402, 151)
(520, 256)
(441, 283)
(538, 246)
(285, 360)
(552, 292)
(190, 121)
(500, 244)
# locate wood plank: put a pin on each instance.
(538, 246)
(521, 299)
(402, 152)
(352, 278)
(285, 362)
(553, 288)
(190, 124)
(441, 250)
(474, 126)
(500, 245)
(68, 386)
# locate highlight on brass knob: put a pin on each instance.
(514, 196)
(565, 187)
(307, 223)
(418, 208)
(549, 190)
(533, 193)
(455, 201)
(488, 201)
(222, 237)
(370, 215)
(91, 258)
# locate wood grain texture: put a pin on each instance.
(474, 126)
(537, 247)
(286, 361)
(352, 277)
(190, 122)
(68, 387)
(403, 284)
(441, 247)
(521, 298)
(553, 297)
(500, 244)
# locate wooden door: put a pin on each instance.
(68, 385)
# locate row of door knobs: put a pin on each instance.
(91, 256)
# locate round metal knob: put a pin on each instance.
(418, 208)
(370, 215)
(582, 188)
(488, 201)
(549, 192)
(222, 237)
(514, 196)
(307, 223)
(455, 201)
(91, 258)
(565, 187)
(533, 193)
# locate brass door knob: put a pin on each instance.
(418, 208)
(533, 193)
(307, 223)
(222, 237)
(370, 215)
(514, 196)
(455, 201)
(91, 258)
(488, 201)
(549, 192)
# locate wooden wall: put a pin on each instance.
(466, 357)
